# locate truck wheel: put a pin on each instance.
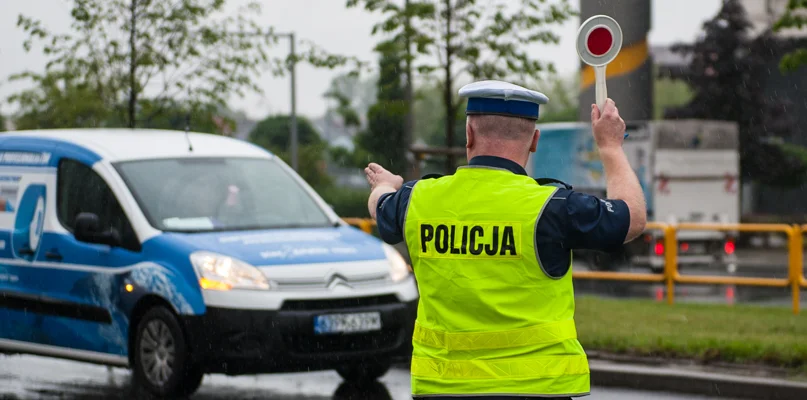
(162, 363)
(363, 372)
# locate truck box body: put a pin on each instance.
(688, 169)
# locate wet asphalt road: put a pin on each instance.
(29, 377)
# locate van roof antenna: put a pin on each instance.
(187, 131)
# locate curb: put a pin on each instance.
(675, 380)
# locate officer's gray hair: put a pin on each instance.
(502, 127)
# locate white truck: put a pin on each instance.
(689, 171)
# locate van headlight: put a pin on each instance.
(399, 270)
(220, 272)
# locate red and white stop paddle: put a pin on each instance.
(599, 40)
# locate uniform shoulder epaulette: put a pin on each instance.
(548, 181)
(432, 176)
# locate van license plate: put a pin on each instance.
(347, 323)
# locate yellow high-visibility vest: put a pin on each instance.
(489, 321)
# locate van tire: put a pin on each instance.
(159, 335)
(363, 372)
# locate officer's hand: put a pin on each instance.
(608, 126)
(378, 176)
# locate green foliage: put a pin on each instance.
(470, 40)
(61, 100)
(724, 74)
(562, 106)
(2, 123)
(483, 42)
(383, 140)
(793, 18)
(175, 116)
(668, 93)
(352, 96)
(272, 134)
(189, 51)
(347, 202)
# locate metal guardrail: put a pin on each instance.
(670, 276)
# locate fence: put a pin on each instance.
(670, 275)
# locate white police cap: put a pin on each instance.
(502, 98)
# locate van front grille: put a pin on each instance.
(347, 302)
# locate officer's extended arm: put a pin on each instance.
(381, 182)
(621, 181)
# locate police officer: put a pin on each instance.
(491, 250)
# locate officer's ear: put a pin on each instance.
(534, 145)
(469, 135)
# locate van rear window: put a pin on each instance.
(220, 194)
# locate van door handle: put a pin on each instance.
(53, 255)
(25, 251)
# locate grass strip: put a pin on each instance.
(735, 334)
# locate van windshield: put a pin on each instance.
(220, 194)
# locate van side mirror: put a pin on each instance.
(88, 230)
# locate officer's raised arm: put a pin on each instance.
(621, 182)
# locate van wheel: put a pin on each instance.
(363, 372)
(161, 356)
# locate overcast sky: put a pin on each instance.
(329, 24)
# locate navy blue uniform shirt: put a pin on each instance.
(571, 220)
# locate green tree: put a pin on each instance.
(669, 93)
(61, 100)
(469, 39)
(793, 18)
(431, 122)
(147, 52)
(562, 106)
(64, 101)
(399, 26)
(383, 140)
(178, 116)
(725, 71)
(2, 123)
(272, 134)
(352, 97)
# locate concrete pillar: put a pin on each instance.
(630, 75)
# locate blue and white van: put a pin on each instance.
(180, 254)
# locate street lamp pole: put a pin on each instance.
(293, 117)
(292, 71)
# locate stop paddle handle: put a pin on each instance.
(599, 40)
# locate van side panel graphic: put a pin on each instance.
(81, 304)
(77, 301)
(29, 222)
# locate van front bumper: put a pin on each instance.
(248, 341)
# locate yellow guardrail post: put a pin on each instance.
(365, 224)
(795, 265)
(802, 281)
(670, 261)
